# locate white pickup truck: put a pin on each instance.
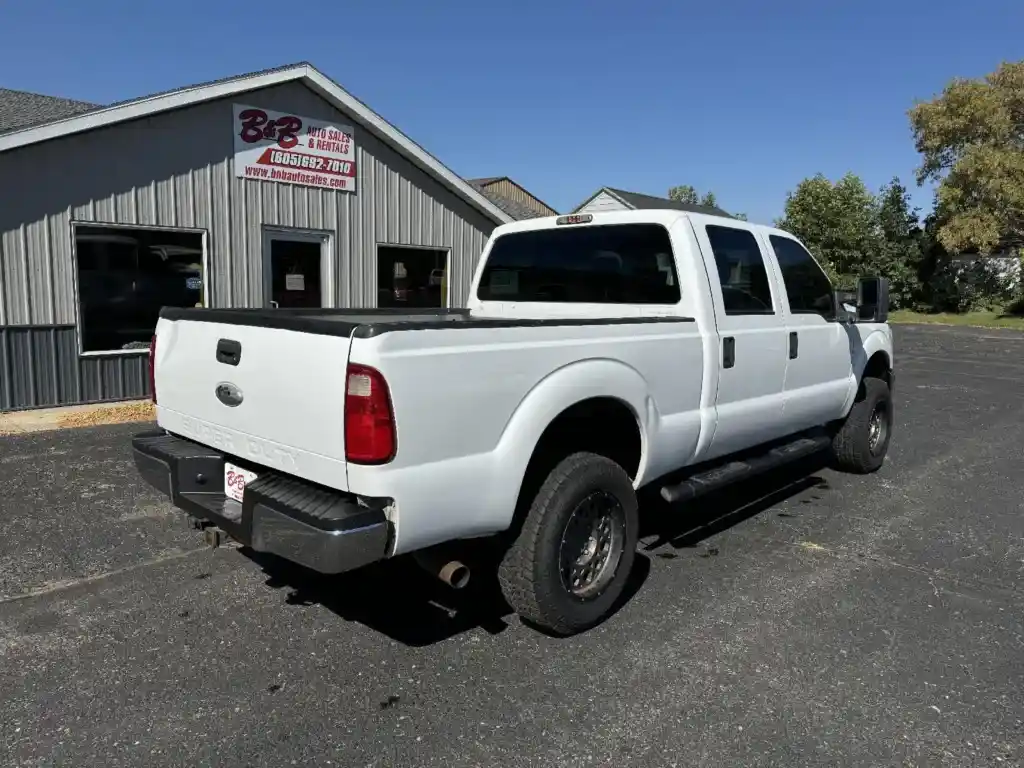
(598, 353)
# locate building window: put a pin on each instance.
(603, 264)
(741, 271)
(411, 277)
(125, 276)
(808, 288)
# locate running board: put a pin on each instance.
(720, 476)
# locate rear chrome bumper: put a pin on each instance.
(319, 528)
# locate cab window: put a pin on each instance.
(807, 286)
(741, 271)
(600, 264)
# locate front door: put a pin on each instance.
(752, 342)
(819, 376)
(295, 269)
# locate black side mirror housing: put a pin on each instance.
(872, 300)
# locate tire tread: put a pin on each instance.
(850, 448)
(517, 571)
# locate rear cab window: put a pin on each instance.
(742, 272)
(593, 264)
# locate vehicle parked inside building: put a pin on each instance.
(599, 353)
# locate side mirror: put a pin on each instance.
(846, 306)
(872, 300)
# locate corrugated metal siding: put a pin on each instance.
(40, 366)
(176, 170)
(512, 191)
(603, 202)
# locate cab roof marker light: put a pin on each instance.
(575, 218)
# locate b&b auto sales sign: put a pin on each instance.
(279, 146)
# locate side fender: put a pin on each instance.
(561, 389)
(865, 343)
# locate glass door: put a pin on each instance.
(295, 269)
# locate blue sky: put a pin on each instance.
(744, 97)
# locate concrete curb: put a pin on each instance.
(75, 416)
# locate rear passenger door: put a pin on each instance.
(747, 301)
(819, 376)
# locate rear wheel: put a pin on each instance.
(861, 443)
(570, 563)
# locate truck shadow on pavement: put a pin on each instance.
(399, 599)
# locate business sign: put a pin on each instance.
(279, 146)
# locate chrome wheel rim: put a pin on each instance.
(592, 545)
(878, 428)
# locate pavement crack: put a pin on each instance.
(982, 585)
(62, 586)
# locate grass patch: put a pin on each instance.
(975, 319)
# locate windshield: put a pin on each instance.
(603, 264)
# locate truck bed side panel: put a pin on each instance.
(456, 393)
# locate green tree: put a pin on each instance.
(837, 222)
(901, 255)
(971, 139)
(688, 194)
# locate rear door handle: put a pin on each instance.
(794, 345)
(728, 352)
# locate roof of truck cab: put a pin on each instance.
(665, 216)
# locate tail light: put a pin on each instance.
(369, 420)
(152, 368)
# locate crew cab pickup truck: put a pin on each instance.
(598, 354)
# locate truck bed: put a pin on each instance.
(367, 323)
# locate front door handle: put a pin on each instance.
(728, 352)
(794, 345)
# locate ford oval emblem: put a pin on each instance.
(229, 394)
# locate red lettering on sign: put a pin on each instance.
(252, 121)
(287, 127)
(256, 127)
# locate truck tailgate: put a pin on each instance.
(268, 396)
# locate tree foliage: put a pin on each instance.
(837, 222)
(971, 139)
(854, 233)
(687, 194)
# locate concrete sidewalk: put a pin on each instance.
(41, 420)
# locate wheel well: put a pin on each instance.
(601, 425)
(878, 367)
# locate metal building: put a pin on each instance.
(276, 188)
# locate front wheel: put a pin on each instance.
(861, 443)
(570, 563)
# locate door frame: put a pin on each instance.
(323, 237)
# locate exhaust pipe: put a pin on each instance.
(454, 573)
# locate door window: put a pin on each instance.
(807, 286)
(295, 273)
(741, 271)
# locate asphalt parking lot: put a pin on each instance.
(810, 619)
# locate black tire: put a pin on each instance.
(856, 448)
(531, 572)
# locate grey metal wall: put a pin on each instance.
(40, 366)
(176, 169)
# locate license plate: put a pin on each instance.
(235, 480)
